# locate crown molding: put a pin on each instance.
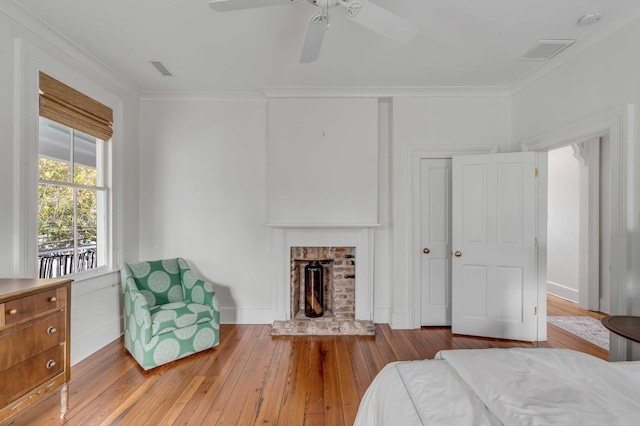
(13, 10)
(591, 39)
(381, 91)
(202, 97)
(323, 92)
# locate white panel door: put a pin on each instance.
(435, 240)
(494, 267)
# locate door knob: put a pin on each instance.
(458, 253)
(426, 251)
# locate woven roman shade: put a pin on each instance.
(64, 105)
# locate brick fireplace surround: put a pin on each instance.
(343, 315)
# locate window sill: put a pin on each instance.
(89, 281)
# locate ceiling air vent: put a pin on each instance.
(160, 67)
(544, 49)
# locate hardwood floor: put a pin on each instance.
(253, 378)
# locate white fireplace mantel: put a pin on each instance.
(285, 236)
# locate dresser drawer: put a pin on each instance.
(26, 307)
(29, 374)
(24, 341)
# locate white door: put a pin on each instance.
(435, 241)
(494, 268)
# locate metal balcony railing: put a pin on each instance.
(55, 263)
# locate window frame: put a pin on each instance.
(102, 199)
(30, 61)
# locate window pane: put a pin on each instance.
(55, 148)
(55, 231)
(87, 229)
(55, 217)
(84, 159)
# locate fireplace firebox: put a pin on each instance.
(313, 290)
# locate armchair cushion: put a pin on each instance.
(159, 281)
(173, 316)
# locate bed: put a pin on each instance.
(517, 386)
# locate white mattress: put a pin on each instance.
(504, 386)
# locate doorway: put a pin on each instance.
(579, 223)
(618, 123)
(417, 154)
(495, 217)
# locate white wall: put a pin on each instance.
(7, 166)
(95, 303)
(599, 79)
(563, 230)
(322, 161)
(435, 121)
(203, 197)
(383, 249)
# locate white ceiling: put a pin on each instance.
(460, 43)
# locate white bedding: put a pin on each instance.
(504, 386)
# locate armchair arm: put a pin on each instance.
(136, 307)
(198, 291)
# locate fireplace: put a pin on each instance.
(338, 286)
(345, 257)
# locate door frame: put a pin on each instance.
(587, 293)
(618, 123)
(588, 154)
(415, 153)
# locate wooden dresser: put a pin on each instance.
(34, 342)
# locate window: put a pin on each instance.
(72, 182)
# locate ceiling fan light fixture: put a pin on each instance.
(591, 17)
(363, 12)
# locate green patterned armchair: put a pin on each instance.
(168, 313)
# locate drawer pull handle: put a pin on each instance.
(50, 364)
(53, 299)
(13, 311)
(51, 330)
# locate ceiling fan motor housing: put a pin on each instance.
(324, 4)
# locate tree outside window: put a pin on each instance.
(71, 199)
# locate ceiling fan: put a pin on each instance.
(362, 12)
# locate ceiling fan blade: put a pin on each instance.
(380, 20)
(228, 5)
(313, 40)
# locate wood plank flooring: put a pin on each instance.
(252, 378)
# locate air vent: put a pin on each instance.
(545, 49)
(161, 68)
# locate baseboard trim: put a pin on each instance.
(246, 315)
(400, 321)
(382, 315)
(562, 291)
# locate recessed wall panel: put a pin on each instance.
(439, 205)
(474, 208)
(474, 287)
(438, 279)
(509, 295)
(510, 203)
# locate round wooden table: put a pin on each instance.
(623, 325)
